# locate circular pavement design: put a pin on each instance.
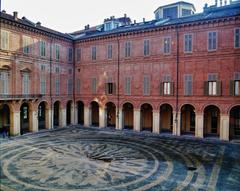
(79, 159)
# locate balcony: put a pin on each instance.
(5, 97)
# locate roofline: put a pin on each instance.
(180, 2)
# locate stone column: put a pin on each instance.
(73, 114)
(76, 115)
(86, 116)
(224, 127)
(49, 119)
(156, 122)
(199, 125)
(63, 121)
(15, 123)
(119, 123)
(33, 121)
(176, 123)
(102, 117)
(137, 119)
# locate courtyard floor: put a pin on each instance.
(76, 158)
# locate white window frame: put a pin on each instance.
(4, 40)
(186, 48)
(166, 88)
(212, 88)
(165, 46)
(208, 45)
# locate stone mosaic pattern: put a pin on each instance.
(79, 159)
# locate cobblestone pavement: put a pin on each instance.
(77, 159)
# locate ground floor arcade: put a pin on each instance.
(23, 117)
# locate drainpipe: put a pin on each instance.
(73, 79)
(177, 83)
(51, 102)
(118, 79)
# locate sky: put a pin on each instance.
(71, 15)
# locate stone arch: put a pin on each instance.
(111, 114)
(146, 117)
(128, 115)
(234, 122)
(188, 119)
(94, 113)
(166, 118)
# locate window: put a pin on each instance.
(4, 40)
(188, 85)
(57, 82)
(25, 83)
(237, 38)
(78, 86)
(3, 82)
(166, 87)
(212, 87)
(186, 12)
(43, 80)
(127, 88)
(171, 12)
(70, 86)
(79, 54)
(110, 88)
(70, 55)
(212, 41)
(109, 51)
(94, 53)
(188, 43)
(146, 51)
(42, 48)
(57, 48)
(167, 45)
(94, 85)
(146, 85)
(26, 44)
(235, 85)
(127, 49)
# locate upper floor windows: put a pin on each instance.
(166, 87)
(188, 84)
(3, 82)
(212, 41)
(78, 86)
(167, 45)
(146, 85)
(79, 54)
(237, 38)
(146, 48)
(109, 51)
(127, 86)
(188, 42)
(26, 44)
(94, 53)
(42, 48)
(212, 87)
(235, 85)
(70, 86)
(94, 85)
(70, 55)
(25, 83)
(4, 40)
(127, 49)
(57, 53)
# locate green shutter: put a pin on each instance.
(161, 88)
(114, 88)
(172, 88)
(219, 88)
(206, 88)
(106, 88)
(231, 88)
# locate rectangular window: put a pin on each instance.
(57, 85)
(70, 55)
(127, 88)
(127, 49)
(26, 44)
(146, 85)
(78, 86)
(212, 41)
(79, 54)
(4, 40)
(70, 86)
(57, 48)
(109, 88)
(167, 88)
(3, 82)
(237, 38)
(212, 88)
(25, 83)
(188, 42)
(109, 51)
(42, 48)
(94, 53)
(42, 84)
(146, 48)
(167, 45)
(94, 85)
(188, 85)
(237, 87)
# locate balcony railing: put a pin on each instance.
(20, 96)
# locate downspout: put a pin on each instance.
(73, 78)
(51, 99)
(177, 81)
(118, 79)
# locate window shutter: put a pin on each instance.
(206, 88)
(231, 88)
(172, 88)
(106, 88)
(161, 88)
(219, 88)
(114, 88)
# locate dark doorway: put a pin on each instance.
(80, 107)
(166, 118)
(111, 114)
(187, 119)
(4, 119)
(211, 121)
(146, 117)
(56, 114)
(42, 116)
(128, 116)
(95, 113)
(24, 119)
(69, 108)
(235, 123)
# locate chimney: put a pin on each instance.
(125, 15)
(38, 24)
(87, 27)
(15, 15)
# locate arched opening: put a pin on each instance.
(211, 121)
(68, 112)
(24, 119)
(42, 116)
(187, 119)
(235, 123)
(111, 114)
(80, 114)
(146, 117)
(56, 114)
(95, 113)
(4, 120)
(166, 118)
(128, 116)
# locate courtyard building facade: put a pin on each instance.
(177, 74)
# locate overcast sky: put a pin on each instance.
(73, 15)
